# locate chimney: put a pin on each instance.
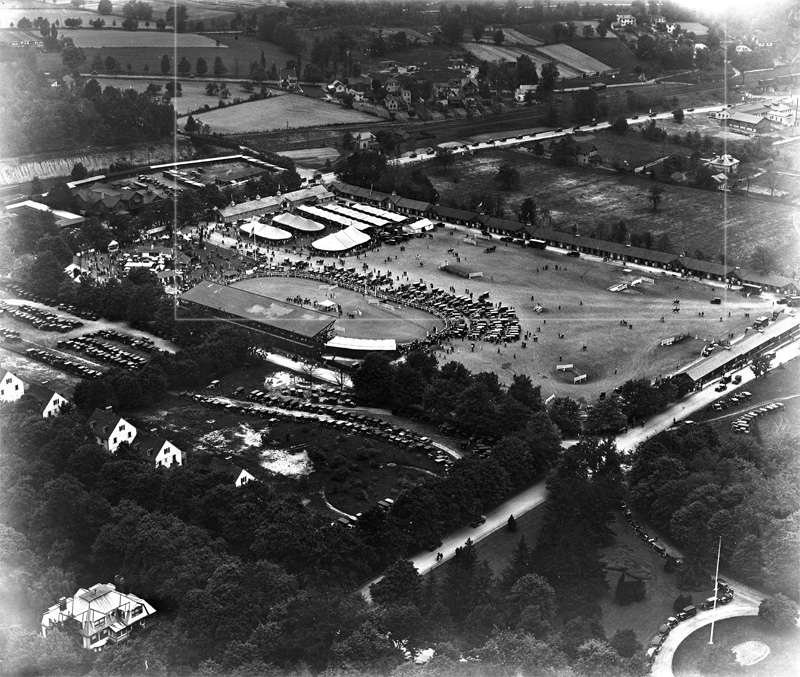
(62, 603)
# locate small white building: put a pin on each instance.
(102, 615)
(239, 475)
(48, 401)
(162, 452)
(12, 388)
(522, 91)
(364, 140)
(111, 430)
(725, 164)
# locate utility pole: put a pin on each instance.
(716, 587)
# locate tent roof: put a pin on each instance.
(296, 222)
(341, 241)
(266, 231)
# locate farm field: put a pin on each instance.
(609, 51)
(782, 661)
(698, 220)
(564, 54)
(89, 38)
(236, 51)
(411, 34)
(514, 37)
(282, 112)
(375, 322)
(193, 95)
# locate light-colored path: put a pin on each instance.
(496, 519)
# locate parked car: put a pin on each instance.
(478, 521)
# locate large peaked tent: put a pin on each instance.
(265, 231)
(295, 222)
(342, 241)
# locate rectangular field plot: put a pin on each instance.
(94, 39)
(574, 59)
(514, 37)
(280, 112)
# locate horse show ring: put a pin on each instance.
(369, 320)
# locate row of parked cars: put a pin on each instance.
(138, 342)
(742, 424)
(39, 319)
(282, 407)
(732, 401)
(105, 352)
(62, 363)
(22, 293)
(652, 542)
(9, 335)
(723, 595)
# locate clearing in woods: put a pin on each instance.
(694, 219)
(280, 112)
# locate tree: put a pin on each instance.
(761, 259)
(773, 181)
(511, 525)
(625, 643)
(444, 156)
(177, 19)
(78, 172)
(372, 383)
(602, 29)
(212, 88)
(72, 57)
(201, 67)
(219, 67)
(550, 74)
(478, 31)
(565, 413)
(453, 28)
(184, 67)
(588, 31)
(605, 417)
(105, 7)
(401, 584)
(166, 66)
(655, 195)
(527, 211)
(130, 24)
(498, 36)
(111, 64)
(678, 115)
(36, 186)
(507, 176)
(191, 125)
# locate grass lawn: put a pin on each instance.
(402, 323)
(282, 112)
(497, 547)
(90, 38)
(632, 148)
(781, 385)
(782, 661)
(693, 219)
(377, 469)
(645, 617)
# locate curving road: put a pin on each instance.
(745, 603)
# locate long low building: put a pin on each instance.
(295, 324)
(274, 204)
(717, 364)
(63, 218)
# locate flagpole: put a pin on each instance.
(716, 587)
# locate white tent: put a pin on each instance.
(326, 304)
(419, 226)
(342, 241)
(264, 231)
(365, 345)
(295, 222)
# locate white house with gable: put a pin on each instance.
(111, 430)
(12, 387)
(162, 452)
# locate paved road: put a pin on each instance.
(510, 142)
(496, 519)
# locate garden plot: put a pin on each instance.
(280, 112)
(94, 39)
(573, 59)
(494, 53)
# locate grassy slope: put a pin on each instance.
(694, 219)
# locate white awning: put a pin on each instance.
(295, 222)
(365, 345)
(265, 231)
(341, 241)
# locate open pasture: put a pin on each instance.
(610, 51)
(589, 315)
(281, 112)
(89, 38)
(694, 219)
(374, 322)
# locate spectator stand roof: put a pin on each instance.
(295, 222)
(342, 241)
(331, 218)
(265, 231)
(377, 211)
(364, 345)
(264, 310)
(707, 367)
